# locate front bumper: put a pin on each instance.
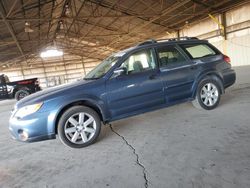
(34, 128)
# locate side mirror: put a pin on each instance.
(119, 71)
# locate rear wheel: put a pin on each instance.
(20, 94)
(79, 127)
(207, 95)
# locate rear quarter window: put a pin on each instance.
(199, 50)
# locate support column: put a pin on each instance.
(224, 24)
(65, 70)
(178, 34)
(83, 66)
(224, 31)
(22, 71)
(45, 74)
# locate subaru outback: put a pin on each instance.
(149, 76)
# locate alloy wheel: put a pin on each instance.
(209, 94)
(80, 128)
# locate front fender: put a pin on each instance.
(89, 98)
(65, 101)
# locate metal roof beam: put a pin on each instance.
(74, 18)
(131, 14)
(16, 19)
(11, 32)
(164, 12)
(206, 5)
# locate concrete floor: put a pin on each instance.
(177, 147)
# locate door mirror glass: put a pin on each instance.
(119, 71)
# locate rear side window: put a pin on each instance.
(199, 50)
(169, 56)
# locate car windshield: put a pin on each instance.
(101, 69)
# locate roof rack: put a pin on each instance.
(179, 39)
(152, 41)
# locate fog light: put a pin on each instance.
(23, 135)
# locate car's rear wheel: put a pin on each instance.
(20, 94)
(79, 126)
(207, 95)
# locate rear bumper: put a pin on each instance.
(229, 77)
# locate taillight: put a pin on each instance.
(227, 59)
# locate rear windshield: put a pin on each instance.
(199, 50)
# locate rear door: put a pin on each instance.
(177, 72)
(137, 90)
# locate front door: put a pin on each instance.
(139, 89)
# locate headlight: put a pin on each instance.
(27, 110)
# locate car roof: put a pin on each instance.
(181, 40)
(155, 43)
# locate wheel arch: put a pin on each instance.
(211, 74)
(16, 89)
(83, 102)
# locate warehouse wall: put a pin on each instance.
(52, 71)
(237, 48)
(237, 29)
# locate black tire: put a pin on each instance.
(203, 100)
(64, 123)
(20, 94)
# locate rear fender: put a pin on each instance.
(212, 74)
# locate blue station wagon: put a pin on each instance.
(149, 76)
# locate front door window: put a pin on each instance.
(139, 62)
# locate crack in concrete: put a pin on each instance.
(134, 152)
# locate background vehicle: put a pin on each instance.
(149, 76)
(18, 89)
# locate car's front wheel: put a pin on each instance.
(207, 95)
(79, 126)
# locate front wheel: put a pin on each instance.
(207, 95)
(79, 127)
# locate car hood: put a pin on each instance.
(50, 93)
